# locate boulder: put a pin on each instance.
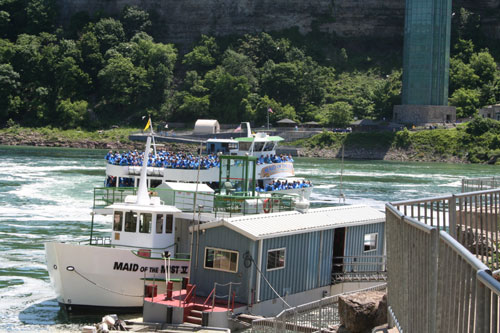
(472, 238)
(361, 312)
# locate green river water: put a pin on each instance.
(46, 195)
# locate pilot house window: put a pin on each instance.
(275, 259)
(117, 222)
(145, 223)
(221, 260)
(130, 221)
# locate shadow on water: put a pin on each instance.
(50, 313)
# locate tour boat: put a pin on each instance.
(112, 272)
(269, 171)
(150, 240)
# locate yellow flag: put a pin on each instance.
(148, 124)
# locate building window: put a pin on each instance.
(117, 223)
(145, 223)
(370, 243)
(221, 260)
(275, 259)
(130, 221)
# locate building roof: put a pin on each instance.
(285, 121)
(272, 225)
(268, 138)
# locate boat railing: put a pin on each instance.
(188, 201)
(99, 241)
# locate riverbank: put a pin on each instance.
(445, 146)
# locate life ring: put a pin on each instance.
(267, 206)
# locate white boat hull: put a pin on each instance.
(93, 276)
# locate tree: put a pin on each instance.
(228, 95)
(466, 101)
(462, 75)
(203, 56)
(9, 88)
(109, 33)
(135, 20)
(279, 111)
(238, 64)
(122, 82)
(484, 66)
(339, 114)
(71, 114)
(41, 15)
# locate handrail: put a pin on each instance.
(187, 296)
(208, 297)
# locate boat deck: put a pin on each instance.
(221, 305)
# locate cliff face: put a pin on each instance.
(185, 20)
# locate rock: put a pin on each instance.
(472, 238)
(361, 312)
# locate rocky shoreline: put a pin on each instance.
(390, 154)
(352, 153)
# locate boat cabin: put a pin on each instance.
(223, 146)
(144, 227)
(260, 144)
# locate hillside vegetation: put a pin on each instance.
(478, 141)
(100, 71)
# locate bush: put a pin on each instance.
(403, 139)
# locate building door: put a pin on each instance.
(338, 250)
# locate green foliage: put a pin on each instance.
(402, 139)
(135, 20)
(71, 114)
(203, 56)
(479, 126)
(338, 114)
(466, 102)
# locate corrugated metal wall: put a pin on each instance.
(354, 243)
(224, 238)
(307, 263)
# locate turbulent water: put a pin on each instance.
(46, 195)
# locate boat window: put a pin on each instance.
(130, 221)
(258, 146)
(145, 223)
(275, 259)
(269, 146)
(159, 223)
(245, 146)
(221, 260)
(370, 242)
(117, 222)
(170, 223)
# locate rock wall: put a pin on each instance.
(185, 20)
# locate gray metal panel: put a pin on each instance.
(354, 243)
(302, 264)
(204, 279)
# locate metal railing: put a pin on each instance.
(225, 205)
(480, 184)
(359, 268)
(472, 218)
(310, 317)
(436, 283)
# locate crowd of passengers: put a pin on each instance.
(283, 185)
(268, 159)
(163, 159)
(168, 159)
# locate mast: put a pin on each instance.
(142, 192)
